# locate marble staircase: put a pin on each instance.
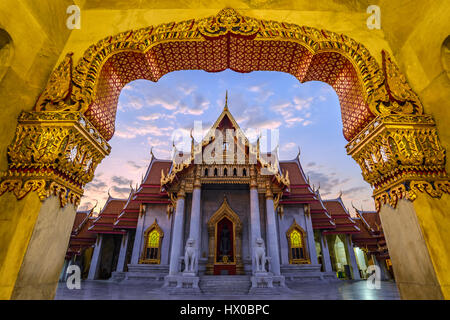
(225, 285)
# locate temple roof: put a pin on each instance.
(300, 192)
(372, 235)
(104, 223)
(150, 189)
(344, 222)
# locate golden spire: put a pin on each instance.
(226, 101)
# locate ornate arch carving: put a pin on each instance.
(295, 227)
(395, 144)
(225, 211)
(157, 256)
(362, 86)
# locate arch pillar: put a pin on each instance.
(52, 156)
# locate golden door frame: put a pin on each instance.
(58, 146)
(305, 260)
(143, 259)
(224, 211)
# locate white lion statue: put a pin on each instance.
(190, 256)
(260, 255)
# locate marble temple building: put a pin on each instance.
(226, 210)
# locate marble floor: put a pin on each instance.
(339, 290)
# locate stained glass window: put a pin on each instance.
(153, 239)
(296, 239)
(296, 245)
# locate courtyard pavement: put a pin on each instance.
(339, 290)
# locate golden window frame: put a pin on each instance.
(305, 259)
(144, 259)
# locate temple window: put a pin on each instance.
(235, 172)
(206, 172)
(244, 172)
(296, 241)
(225, 172)
(215, 172)
(152, 248)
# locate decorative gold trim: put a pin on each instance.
(53, 153)
(143, 259)
(228, 21)
(401, 155)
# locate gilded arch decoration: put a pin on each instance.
(382, 117)
(151, 252)
(225, 211)
(298, 251)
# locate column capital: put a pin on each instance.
(182, 192)
(269, 192)
(253, 182)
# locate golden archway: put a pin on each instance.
(151, 252)
(225, 212)
(298, 252)
(58, 146)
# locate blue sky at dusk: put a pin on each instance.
(307, 116)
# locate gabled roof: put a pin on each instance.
(224, 121)
(372, 235)
(300, 192)
(341, 216)
(150, 189)
(104, 223)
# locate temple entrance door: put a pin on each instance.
(225, 257)
(225, 233)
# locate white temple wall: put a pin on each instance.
(292, 212)
(158, 211)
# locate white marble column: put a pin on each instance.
(325, 253)
(351, 257)
(122, 253)
(137, 246)
(255, 220)
(272, 234)
(194, 226)
(310, 236)
(177, 235)
(96, 258)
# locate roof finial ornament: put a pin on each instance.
(92, 210)
(299, 153)
(109, 192)
(151, 153)
(340, 194)
(226, 101)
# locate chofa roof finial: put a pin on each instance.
(299, 153)
(151, 153)
(226, 101)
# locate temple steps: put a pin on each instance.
(225, 285)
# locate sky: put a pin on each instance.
(307, 116)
